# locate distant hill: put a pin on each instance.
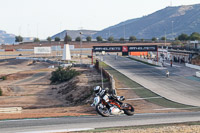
(6, 38)
(176, 20)
(75, 33)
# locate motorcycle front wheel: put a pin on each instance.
(103, 111)
(129, 109)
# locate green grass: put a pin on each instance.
(142, 92)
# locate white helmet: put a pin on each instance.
(97, 89)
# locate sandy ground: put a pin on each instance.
(165, 129)
(28, 86)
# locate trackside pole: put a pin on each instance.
(102, 71)
(157, 54)
(92, 57)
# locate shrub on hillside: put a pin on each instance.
(63, 74)
(1, 93)
(4, 77)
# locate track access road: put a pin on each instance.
(181, 86)
(91, 122)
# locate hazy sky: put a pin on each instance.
(43, 18)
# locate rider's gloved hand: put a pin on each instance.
(109, 104)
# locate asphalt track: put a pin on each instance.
(91, 122)
(181, 86)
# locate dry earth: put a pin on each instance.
(28, 86)
(165, 129)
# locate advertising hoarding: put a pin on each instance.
(142, 48)
(107, 48)
(125, 48)
(42, 50)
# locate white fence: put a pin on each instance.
(192, 66)
(198, 74)
(147, 60)
(24, 50)
(42, 50)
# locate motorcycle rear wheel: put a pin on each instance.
(130, 111)
(102, 111)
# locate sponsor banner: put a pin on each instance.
(42, 50)
(107, 48)
(142, 48)
(125, 48)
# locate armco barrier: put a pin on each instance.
(111, 80)
(146, 60)
(198, 74)
(109, 77)
(192, 66)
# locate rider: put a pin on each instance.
(116, 56)
(167, 73)
(102, 93)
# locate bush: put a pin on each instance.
(4, 77)
(1, 92)
(176, 43)
(63, 74)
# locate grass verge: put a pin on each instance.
(142, 92)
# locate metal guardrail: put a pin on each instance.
(147, 60)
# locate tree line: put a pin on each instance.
(89, 39)
(184, 37)
(67, 38)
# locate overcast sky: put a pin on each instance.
(43, 18)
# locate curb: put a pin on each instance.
(11, 110)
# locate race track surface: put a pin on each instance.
(181, 86)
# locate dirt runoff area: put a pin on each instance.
(28, 86)
(177, 128)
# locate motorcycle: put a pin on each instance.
(117, 107)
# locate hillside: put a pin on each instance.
(75, 33)
(176, 20)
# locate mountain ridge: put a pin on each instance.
(75, 33)
(171, 21)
